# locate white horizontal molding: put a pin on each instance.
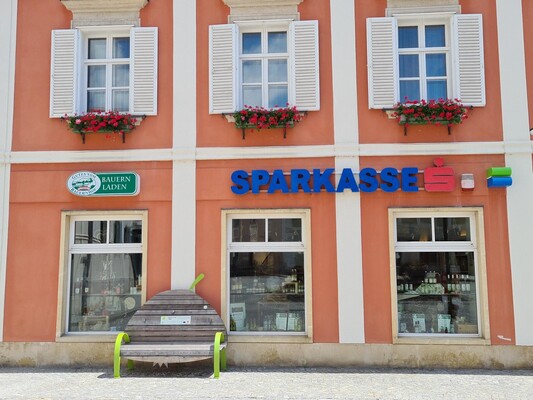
(266, 152)
(104, 12)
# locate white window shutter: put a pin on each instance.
(223, 68)
(143, 71)
(305, 65)
(382, 56)
(64, 72)
(468, 55)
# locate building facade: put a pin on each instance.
(348, 236)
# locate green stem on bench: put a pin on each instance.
(116, 359)
(196, 281)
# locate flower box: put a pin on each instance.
(101, 122)
(261, 118)
(433, 112)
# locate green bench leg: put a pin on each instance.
(116, 358)
(219, 356)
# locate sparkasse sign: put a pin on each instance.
(85, 183)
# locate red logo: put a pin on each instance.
(439, 178)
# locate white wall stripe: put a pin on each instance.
(516, 130)
(8, 28)
(347, 205)
(238, 153)
(184, 142)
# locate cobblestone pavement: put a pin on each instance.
(196, 382)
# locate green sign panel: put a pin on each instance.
(85, 183)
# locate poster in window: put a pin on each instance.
(419, 323)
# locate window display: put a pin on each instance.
(105, 274)
(436, 276)
(267, 275)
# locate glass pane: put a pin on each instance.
(251, 43)
(452, 229)
(248, 230)
(97, 49)
(436, 64)
(413, 230)
(278, 96)
(436, 293)
(252, 96)
(267, 292)
(121, 47)
(410, 90)
(251, 71)
(105, 291)
(121, 100)
(285, 230)
(277, 42)
(96, 76)
(409, 67)
(96, 100)
(125, 231)
(437, 89)
(121, 75)
(277, 71)
(86, 232)
(435, 36)
(407, 37)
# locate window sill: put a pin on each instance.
(295, 339)
(87, 338)
(468, 341)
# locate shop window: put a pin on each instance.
(437, 276)
(268, 274)
(102, 69)
(425, 56)
(265, 64)
(104, 279)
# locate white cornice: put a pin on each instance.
(104, 12)
(262, 9)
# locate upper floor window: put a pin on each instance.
(263, 63)
(425, 56)
(102, 69)
(107, 69)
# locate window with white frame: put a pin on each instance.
(264, 66)
(425, 56)
(106, 70)
(268, 274)
(105, 269)
(437, 274)
(103, 69)
(263, 63)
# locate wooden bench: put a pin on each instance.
(174, 326)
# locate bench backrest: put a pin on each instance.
(175, 316)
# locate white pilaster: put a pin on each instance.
(184, 144)
(347, 205)
(8, 29)
(516, 136)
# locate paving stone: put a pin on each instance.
(195, 381)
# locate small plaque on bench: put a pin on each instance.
(175, 320)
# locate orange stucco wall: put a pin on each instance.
(33, 129)
(38, 195)
(375, 228)
(214, 195)
(214, 130)
(483, 124)
(527, 15)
